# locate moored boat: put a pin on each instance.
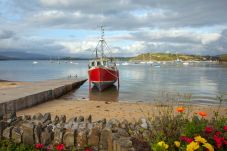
(102, 70)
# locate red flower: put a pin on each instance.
(208, 130)
(39, 146)
(225, 128)
(203, 114)
(217, 133)
(60, 147)
(218, 140)
(186, 139)
(225, 142)
(88, 149)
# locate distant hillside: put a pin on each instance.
(76, 58)
(5, 58)
(171, 57)
(123, 58)
(72, 58)
(22, 55)
(223, 58)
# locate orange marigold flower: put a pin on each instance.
(203, 114)
(180, 109)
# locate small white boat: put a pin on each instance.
(143, 62)
(156, 64)
(125, 63)
(186, 63)
(150, 62)
(34, 62)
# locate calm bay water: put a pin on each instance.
(138, 82)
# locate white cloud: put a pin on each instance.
(149, 25)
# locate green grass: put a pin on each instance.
(169, 57)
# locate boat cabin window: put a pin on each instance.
(104, 63)
(98, 63)
(92, 63)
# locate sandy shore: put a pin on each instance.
(10, 84)
(119, 110)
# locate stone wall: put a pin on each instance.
(29, 100)
(77, 132)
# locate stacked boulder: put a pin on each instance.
(77, 132)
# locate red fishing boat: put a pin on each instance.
(102, 70)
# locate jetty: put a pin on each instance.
(14, 99)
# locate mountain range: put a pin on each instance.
(13, 55)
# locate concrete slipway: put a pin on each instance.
(14, 99)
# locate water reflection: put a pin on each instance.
(111, 94)
(137, 82)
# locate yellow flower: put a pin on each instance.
(200, 139)
(163, 144)
(177, 144)
(209, 147)
(192, 146)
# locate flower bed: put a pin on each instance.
(173, 129)
(195, 134)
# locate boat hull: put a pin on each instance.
(102, 77)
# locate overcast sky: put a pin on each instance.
(71, 27)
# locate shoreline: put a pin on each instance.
(5, 84)
(120, 110)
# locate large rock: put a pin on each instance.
(89, 119)
(81, 139)
(106, 139)
(75, 126)
(102, 122)
(69, 138)
(37, 116)
(37, 133)
(62, 119)
(47, 136)
(46, 117)
(56, 120)
(124, 124)
(82, 126)
(17, 122)
(113, 124)
(47, 123)
(26, 117)
(28, 135)
(143, 123)
(94, 136)
(58, 135)
(80, 119)
(17, 135)
(122, 144)
(7, 133)
(122, 132)
(12, 117)
(70, 122)
(3, 125)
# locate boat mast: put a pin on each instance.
(102, 42)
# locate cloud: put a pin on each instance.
(189, 26)
(6, 34)
(125, 14)
(219, 46)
